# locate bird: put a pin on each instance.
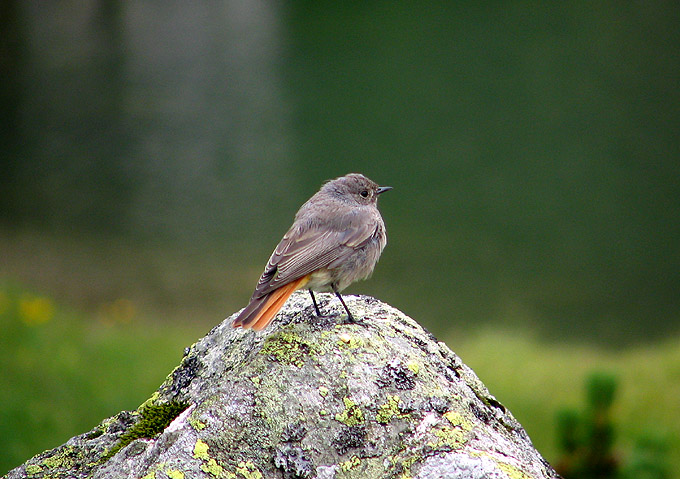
(336, 239)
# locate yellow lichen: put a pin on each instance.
(209, 465)
(457, 419)
(201, 450)
(249, 470)
(449, 436)
(196, 423)
(175, 474)
(32, 469)
(455, 435)
(413, 366)
(352, 415)
(389, 410)
(512, 471)
(287, 348)
(63, 458)
(350, 464)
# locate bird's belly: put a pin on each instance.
(340, 274)
(320, 280)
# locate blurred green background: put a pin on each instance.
(153, 153)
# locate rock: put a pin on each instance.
(308, 398)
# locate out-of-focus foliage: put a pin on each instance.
(532, 146)
(62, 373)
(588, 440)
(539, 381)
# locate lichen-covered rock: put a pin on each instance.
(308, 398)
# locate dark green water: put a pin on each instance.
(533, 148)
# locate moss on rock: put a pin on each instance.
(154, 418)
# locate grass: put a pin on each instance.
(535, 380)
(64, 371)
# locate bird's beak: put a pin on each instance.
(383, 189)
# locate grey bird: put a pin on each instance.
(336, 239)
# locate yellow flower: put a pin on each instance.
(35, 310)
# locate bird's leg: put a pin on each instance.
(350, 318)
(316, 306)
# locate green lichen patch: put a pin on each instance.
(249, 470)
(352, 415)
(389, 410)
(63, 458)
(33, 469)
(196, 423)
(401, 466)
(406, 465)
(175, 474)
(152, 472)
(211, 467)
(413, 366)
(448, 436)
(209, 464)
(512, 471)
(201, 450)
(452, 436)
(154, 418)
(457, 419)
(350, 464)
(287, 348)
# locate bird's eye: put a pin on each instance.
(364, 193)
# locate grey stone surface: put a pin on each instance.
(308, 398)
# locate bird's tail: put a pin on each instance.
(260, 311)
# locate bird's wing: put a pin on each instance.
(301, 252)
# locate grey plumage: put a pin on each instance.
(336, 239)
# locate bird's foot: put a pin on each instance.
(350, 319)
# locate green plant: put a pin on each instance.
(587, 440)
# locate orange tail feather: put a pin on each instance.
(258, 316)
